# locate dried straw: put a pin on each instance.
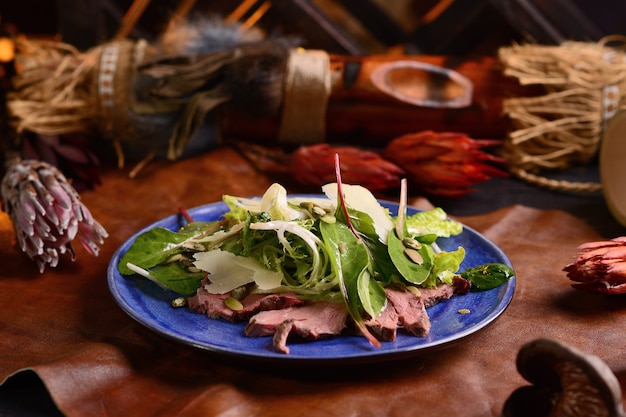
(585, 86)
(53, 89)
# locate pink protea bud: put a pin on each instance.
(600, 267)
(47, 213)
(445, 163)
(315, 165)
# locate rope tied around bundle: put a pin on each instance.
(585, 85)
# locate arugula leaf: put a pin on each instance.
(366, 229)
(371, 294)
(154, 247)
(427, 239)
(176, 278)
(347, 253)
(488, 276)
(349, 259)
(362, 222)
(194, 227)
(408, 269)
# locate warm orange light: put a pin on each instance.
(5, 222)
(7, 234)
(7, 50)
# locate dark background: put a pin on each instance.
(420, 26)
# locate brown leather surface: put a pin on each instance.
(96, 361)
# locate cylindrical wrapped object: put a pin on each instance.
(110, 90)
(360, 112)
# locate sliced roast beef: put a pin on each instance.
(412, 315)
(206, 303)
(265, 323)
(311, 322)
(432, 296)
(254, 303)
(213, 305)
(384, 327)
(283, 315)
(279, 341)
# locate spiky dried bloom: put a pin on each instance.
(600, 267)
(444, 163)
(439, 163)
(315, 165)
(47, 213)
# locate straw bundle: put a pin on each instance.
(53, 94)
(584, 84)
(59, 90)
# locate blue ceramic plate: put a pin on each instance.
(150, 305)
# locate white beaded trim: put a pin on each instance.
(108, 63)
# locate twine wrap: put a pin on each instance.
(307, 89)
(585, 85)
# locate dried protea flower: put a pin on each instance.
(315, 165)
(600, 267)
(445, 163)
(47, 213)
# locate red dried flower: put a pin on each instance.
(315, 165)
(600, 267)
(446, 163)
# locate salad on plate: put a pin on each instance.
(312, 267)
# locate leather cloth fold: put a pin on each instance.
(97, 361)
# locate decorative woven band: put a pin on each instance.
(113, 86)
(611, 94)
(108, 62)
(307, 89)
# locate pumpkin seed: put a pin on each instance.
(240, 293)
(414, 256)
(411, 243)
(328, 218)
(233, 303)
(307, 205)
(414, 290)
(343, 247)
(319, 211)
(175, 258)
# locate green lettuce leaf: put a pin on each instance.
(433, 221)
